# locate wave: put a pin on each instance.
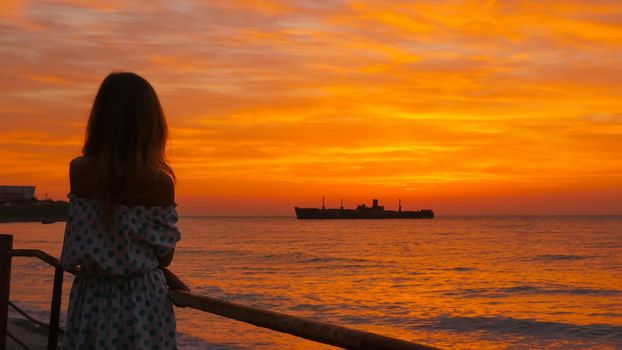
(312, 307)
(328, 259)
(288, 257)
(606, 314)
(463, 269)
(304, 258)
(604, 245)
(492, 327)
(561, 257)
(563, 290)
(526, 327)
(217, 252)
(254, 299)
(529, 290)
(38, 241)
(189, 342)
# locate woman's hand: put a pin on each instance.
(173, 282)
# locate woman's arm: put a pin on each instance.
(173, 282)
(81, 177)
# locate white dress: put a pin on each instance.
(119, 300)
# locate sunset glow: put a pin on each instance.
(465, 107)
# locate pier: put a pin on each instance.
(321, 332)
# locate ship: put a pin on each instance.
(361, 212)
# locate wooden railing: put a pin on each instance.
(320, 332)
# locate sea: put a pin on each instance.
(454, 282)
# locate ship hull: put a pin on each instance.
(318, 213)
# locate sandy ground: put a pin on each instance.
(31, 335)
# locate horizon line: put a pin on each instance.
(435, 216)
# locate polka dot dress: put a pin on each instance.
(119, 300)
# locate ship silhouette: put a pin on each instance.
(361, 212)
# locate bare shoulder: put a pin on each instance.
(83, 164)
(165, 190)
(78, 161)
(81, 175)
(159, 192)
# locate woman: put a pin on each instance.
(122, 224)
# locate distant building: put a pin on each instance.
(17, 193)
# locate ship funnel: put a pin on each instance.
(375, 203)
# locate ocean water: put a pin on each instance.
(451, 282)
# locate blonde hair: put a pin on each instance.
(126, 135)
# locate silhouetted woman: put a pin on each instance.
(122, 223)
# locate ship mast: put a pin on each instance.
(341, 204)
(323, 204)
(400, 205)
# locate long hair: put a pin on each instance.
(126, 135)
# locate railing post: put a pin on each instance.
(55, 309)
(6, 247)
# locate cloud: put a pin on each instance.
(606, 118)
(414, 94)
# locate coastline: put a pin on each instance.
(46, 211)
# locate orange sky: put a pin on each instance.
(466, 107)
